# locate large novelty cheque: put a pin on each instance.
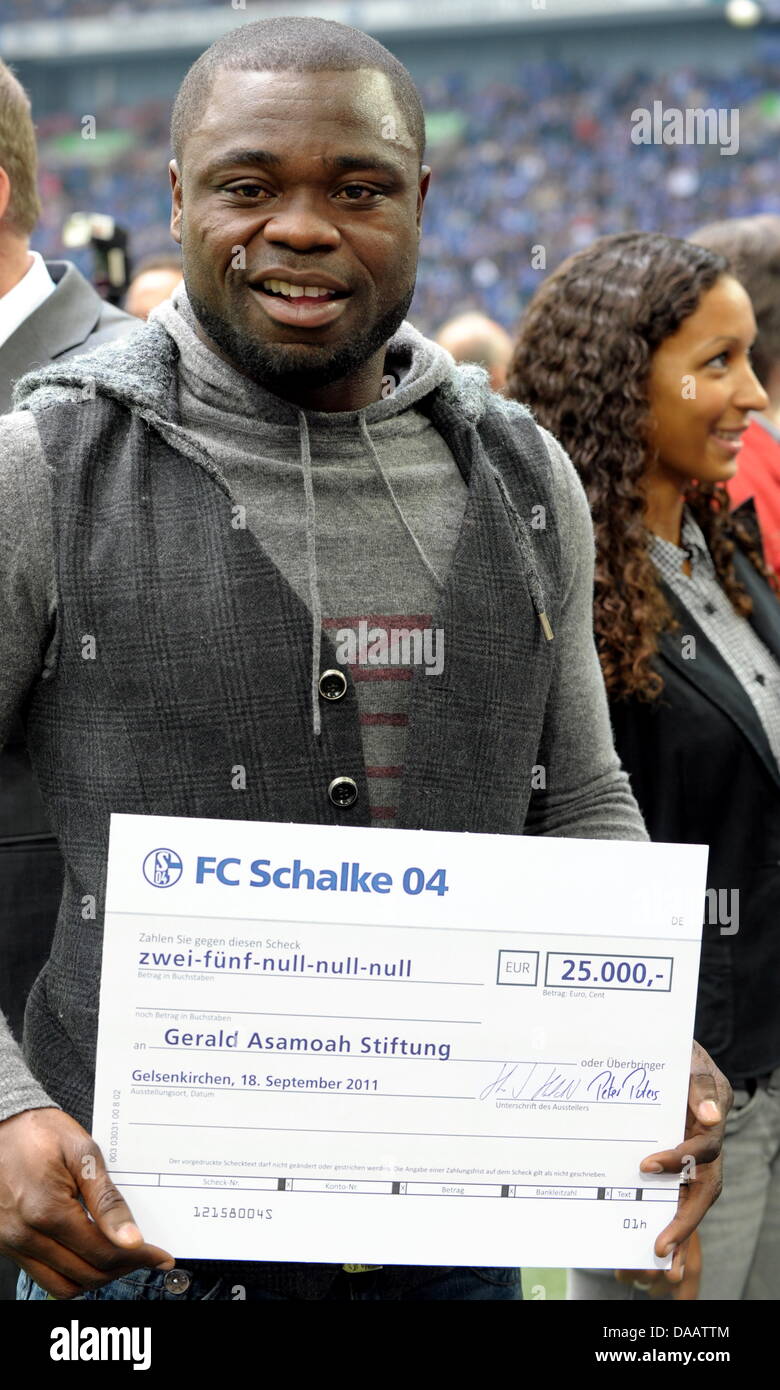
(321, 1044)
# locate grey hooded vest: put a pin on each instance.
(182, 653)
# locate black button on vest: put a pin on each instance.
(333, 684)
(343, 792)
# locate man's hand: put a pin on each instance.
(699, 1157)
(655, 1285)
(50, 1171)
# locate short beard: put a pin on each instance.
(279, 366)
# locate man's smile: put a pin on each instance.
(303, 311)
(307, 299)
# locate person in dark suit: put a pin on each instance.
(48, 311)
(636, 354)
(72, 320)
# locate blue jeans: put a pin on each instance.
(275, 1282)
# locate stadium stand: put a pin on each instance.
(543, 159)
(87, 9)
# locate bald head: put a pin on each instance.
(153, 281)
(473, 337)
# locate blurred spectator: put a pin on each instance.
(752, 247)
(154, 280)
(47, 309)
(473, 337)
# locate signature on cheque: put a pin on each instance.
(538, 1081)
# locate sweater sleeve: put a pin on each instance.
(586, 794)
(27, 599)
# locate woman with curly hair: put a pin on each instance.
(635, 353)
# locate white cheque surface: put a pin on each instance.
(401, 1048)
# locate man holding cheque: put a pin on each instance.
(200, 531)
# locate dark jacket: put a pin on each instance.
(73, 320)
(703, 772)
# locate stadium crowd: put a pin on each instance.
(542, 160)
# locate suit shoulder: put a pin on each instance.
(112, 326)
(116, 319)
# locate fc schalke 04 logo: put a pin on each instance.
(162, 868)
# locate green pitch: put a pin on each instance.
(544, 1283)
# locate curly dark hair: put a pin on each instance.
(581, 363)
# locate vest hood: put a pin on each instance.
(138, 371)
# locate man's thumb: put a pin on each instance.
(104, 1201)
